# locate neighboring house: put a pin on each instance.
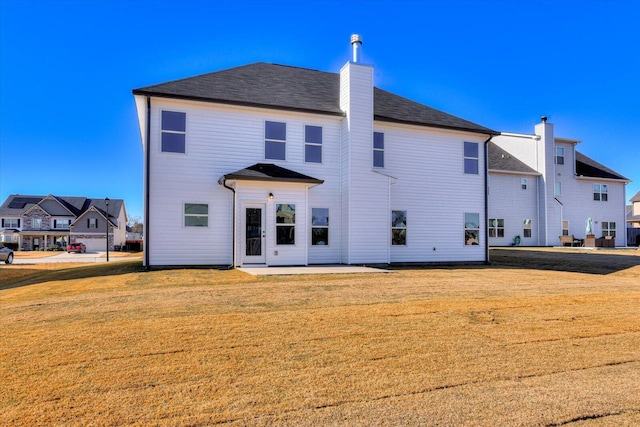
(541, 188)
(40, 222)
(276, 165)
(633, 212)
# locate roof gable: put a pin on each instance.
(290, 88)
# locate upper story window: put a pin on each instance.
(196, 215)
(174, 132)
(11, 223)
(285, 224)
(92, 223)
(601, 192)
(61, 223)
(558, 188)
(378, 150)
(36, 224)
(398, 227)
(471, 158)
(275, 140)
(559, 155)
(471, 228)
(313, 144)
(523, 183)
(319, 226)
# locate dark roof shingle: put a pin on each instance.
(588, 167)
(271, 172)
(299, 89)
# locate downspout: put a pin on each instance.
(223, 182)
(486, 200)
(148, 183)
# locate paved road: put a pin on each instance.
(71, 257)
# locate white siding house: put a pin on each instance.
(544, 179)
(275, 165)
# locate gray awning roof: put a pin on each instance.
(271, 172)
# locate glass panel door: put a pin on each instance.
(254, 235)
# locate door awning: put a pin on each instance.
(271, 172)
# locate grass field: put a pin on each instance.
(540, 337)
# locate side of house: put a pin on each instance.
(272, 165)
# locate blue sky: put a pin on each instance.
(67, 117)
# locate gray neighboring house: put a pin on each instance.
(39, 222)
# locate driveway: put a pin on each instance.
(70, 257)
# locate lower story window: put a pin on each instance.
(285, 224)
(565, 227)
(398, 227)
(196, 215)
(471, 228)
(496, 227)
(608, 229)
(319, 226)
(526, 227)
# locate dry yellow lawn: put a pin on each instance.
(543, 338)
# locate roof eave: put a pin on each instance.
(272, 179)
(481, 131)
(236, 103)
(591, 178)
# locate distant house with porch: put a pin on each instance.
(40, 222)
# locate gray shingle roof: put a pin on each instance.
(299, 89)
(588, 167)
(17, 204)
(501, 160)
(271, 172)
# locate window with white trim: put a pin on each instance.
(600, 192)
(319, 226)
(196, 215)
(378, 150)
(36, 223)
(523, 183)
(92, 222)
(559, 157)
(526, 228)
(11, 223)
(399, 228)
(608, 229)
(313, 144)
(275, 140)
(471, 228)
(565, 227)
(61, 223)
(174, 132)
(471, 158)
(558, 188)
(496, 227)
(285, 224)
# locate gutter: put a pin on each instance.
(223, 181)
(486, 200)
(148, 183)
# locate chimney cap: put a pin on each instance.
(544, 119)
(356, 38)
